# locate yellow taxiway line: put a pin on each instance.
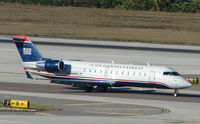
(88, 104)
(190, 123)
(126, 109)
(114, 113)
(45, 114)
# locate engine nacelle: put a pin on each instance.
(51, 65)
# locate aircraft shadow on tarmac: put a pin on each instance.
(129, 91)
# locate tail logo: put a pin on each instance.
(27, 51)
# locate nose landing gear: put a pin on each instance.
(175, 92)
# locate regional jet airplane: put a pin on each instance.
(96, 74)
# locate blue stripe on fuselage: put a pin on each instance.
(116, 83)
(140, 84)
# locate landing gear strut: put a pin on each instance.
(88, 88)
(102, 88)
(175, 92)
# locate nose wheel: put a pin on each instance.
(175, 92)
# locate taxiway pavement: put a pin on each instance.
(180, 112)
(185, 63)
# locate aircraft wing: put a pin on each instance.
(108, 82)
(86, 81)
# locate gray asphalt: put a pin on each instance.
(185, 63)
(112, 46)
(179, 111)
(182, 109)
(84, 108)
(124, 92)
(115, 44)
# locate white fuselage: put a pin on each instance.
(118, 74)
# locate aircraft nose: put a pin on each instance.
(183, 83)
(187, 84)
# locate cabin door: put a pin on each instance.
(152, 76)
(106, 70)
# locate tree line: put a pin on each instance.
(148, 5)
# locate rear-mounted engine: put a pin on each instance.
(51, 65)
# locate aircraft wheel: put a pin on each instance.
(88, 88)
(175, 92)
(103, 88)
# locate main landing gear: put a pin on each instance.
(175, 92)
(101, 88)
(89, 88)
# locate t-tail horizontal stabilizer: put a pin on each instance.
(14, 38)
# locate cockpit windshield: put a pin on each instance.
(171, 73)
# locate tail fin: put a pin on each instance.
(26, 48)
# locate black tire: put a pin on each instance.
(103, 88)
(88, 89)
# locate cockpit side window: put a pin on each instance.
(166, 73)
(175, 73)
(171, 73)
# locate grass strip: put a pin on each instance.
(104, 24)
